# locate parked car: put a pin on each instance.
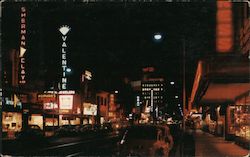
(65, 130)
(31, 132)
(145, 140)
(84, 129)
(106, 128)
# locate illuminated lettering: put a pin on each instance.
(22, 44)
(23, 20)
(63, 56)
(23, 26)
(23, 9)
(22, 60)
(64, 62)
(22, 66)
(64, 38)
(64, 30)
(64, 80)
(64, 44)
(23, 77)
(63, 50)
(23, 31)
(23, 37)
(23, 14)
(63, 86)
(64, 68)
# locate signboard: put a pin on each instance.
(67, 92)
(224, 27)
(89, 109)
(22, 71)
(66, 102)
(64, 31)
(50, 106)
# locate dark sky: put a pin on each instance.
(113, 40)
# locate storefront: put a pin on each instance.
(32, 114)
(12, 118)
(36, 119)
(11, 121)
(217, 88)
(90, 112)
(242, 120)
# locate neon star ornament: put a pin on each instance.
(64, 29)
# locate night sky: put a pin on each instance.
(113, 40)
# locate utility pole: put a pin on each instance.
(184, 81)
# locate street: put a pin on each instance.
(162, 78)
(98, 145)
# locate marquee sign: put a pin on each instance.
(22, 46)
(64, 30)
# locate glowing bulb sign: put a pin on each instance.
(64, 30)
(22, 46)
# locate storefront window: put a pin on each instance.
(36, 120)
(49, 122)
(242, 118)
(11, 121)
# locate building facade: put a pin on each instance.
(221, 85)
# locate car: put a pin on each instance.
(31, 132)
(145, 140)
(65, 130)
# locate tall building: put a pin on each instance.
(153, 92)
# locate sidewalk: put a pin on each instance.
(207, 145)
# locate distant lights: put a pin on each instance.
(172, 82)
(179, 104)
(116, 92)
(176, 97)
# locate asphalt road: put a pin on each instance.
(95, 145)
(59, 146)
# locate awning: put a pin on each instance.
(224, 93)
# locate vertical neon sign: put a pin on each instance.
(22, 45)
(224, 27)
(64, 30)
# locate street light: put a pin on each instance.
(157, 37)
(68, 70)
(116, 92)
(172, 82)
(176, 97)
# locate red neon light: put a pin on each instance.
(224, 27)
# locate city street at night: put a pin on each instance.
(139, 78)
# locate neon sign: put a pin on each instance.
(224, 27)
(22, 46)
(64, 30)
